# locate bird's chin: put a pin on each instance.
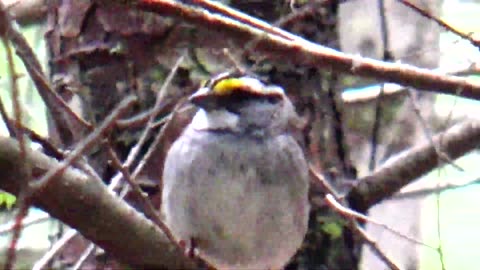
(215, 120)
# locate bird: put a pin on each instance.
(235, 182)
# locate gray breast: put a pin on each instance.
(244, 198)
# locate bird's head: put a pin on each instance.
(230, 102)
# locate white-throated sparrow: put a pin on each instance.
(235, 183)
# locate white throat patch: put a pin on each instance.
(217, 119)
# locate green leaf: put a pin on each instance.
(333, 229)
(7, 199)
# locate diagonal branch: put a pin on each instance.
(86, 205)
(412, 164)
(289, 47)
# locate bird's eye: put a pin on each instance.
(273, 99)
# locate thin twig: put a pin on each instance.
(153, 146)
(166, 122)
(149, 209)
(159, 104)
(135, 121)
(338, 129)
(148, 206)
(14, 92)
(22, 200)
(83, 258)
(386, 56)
(301, 51)
(324, 184)
(42, 262)
(87, 143)
(347, 212)
(374, 247)
(7, 228)
(353, 224)
(180, 109)
(376, 130)
(428, 132)
(439, 235)
(429, 191)
(440, 22)
(47, 146)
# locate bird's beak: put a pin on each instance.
(202, 97)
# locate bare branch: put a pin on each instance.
(84, 256)
(147, 204)
(440, 22)
(375, 248)
(7, 228)
(412, 164)
(421, 192)
(58, 246)
(86, 205)
(300, 51)
(85, 144)
(394, 90)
